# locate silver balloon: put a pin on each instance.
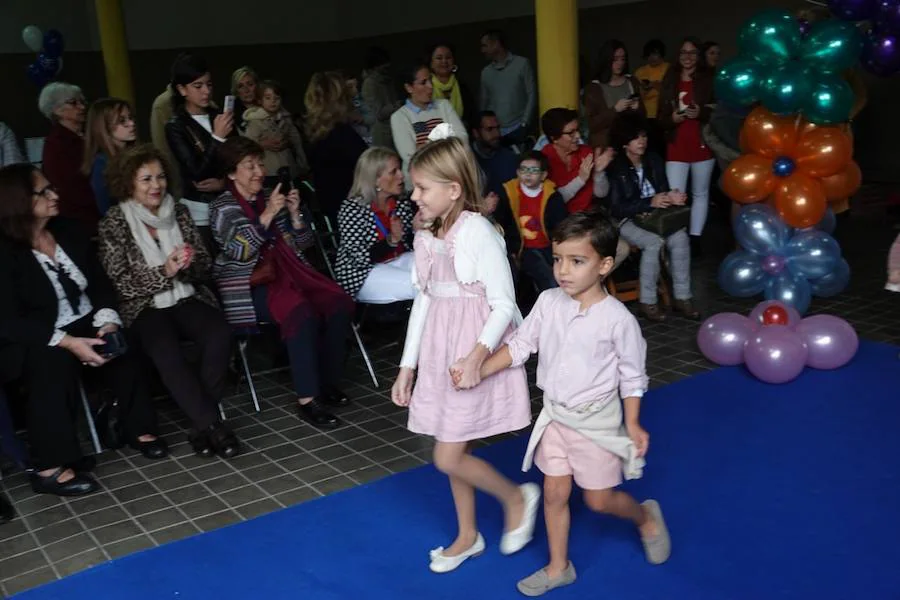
(834, 283)
(812, 254)
(791, 290)
(760, 230)
(741, 274)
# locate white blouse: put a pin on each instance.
(64, 314)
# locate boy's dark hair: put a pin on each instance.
(554, 121)
(595, 226)
(625, 128)
(538, 157)
(654, 46)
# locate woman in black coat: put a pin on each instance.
(55, 306)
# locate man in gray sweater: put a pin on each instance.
(507, 88)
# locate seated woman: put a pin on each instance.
(110, 129)
(375, 259)
(263, 276)
(159, 265)
(56, 306)
(638, 185)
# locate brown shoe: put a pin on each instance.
(652, 312)
(687, 309)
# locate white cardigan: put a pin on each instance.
(479, 255)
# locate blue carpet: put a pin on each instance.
(770, 492)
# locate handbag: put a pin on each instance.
(664, 221)
(264, 270)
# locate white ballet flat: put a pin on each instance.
(445, 564)
(518, 538)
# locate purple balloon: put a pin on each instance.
(756, 315)
(776, 354)
(887, 16)
(722, 337)
(773, 264)
(881, 54)
(852, 10)
(832, 341)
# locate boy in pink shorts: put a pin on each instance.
(591, 354)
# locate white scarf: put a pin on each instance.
(156, 254)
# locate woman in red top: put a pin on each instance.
(685, 104)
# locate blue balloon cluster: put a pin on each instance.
(49, 62)
(785, 264)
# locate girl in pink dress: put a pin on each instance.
(464, 309)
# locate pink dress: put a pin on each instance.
(456, 315)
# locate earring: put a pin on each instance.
(377, 188)
(454, 69)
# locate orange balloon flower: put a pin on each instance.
(802, 165)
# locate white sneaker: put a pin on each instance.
(518, 538)
(445, 564)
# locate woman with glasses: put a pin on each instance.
(56, 307)
(110, 129)
(65, 106)
(612, 92)
(685, 104)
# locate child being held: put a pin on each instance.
(271, 121)
(591, 355)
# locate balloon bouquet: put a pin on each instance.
(881, 52)
(49, 47)
(775, 344)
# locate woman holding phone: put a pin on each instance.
(685, 105)
(612, 92)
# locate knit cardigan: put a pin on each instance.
(240, 240)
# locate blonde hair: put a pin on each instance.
(327, 104)
(239, 74)
(102, 118)
(449, 160)
(369, 168)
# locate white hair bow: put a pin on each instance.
(442, 131)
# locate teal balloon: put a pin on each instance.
(833, 46)
(771, 36)
(737, 82)
(830, 101)
(786, 88)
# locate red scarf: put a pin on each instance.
(298, 290)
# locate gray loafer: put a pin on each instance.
(539, 583)
(659, 547)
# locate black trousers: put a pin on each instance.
(52, 374)
(316, 351)
(160, 333)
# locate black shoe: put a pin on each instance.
(7, 512)
(200, 443)
(317, 414)
(85, 464)
(77, 486)
(153, 450)
(335, 397)
(223, 440)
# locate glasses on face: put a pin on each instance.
(45, 192)
(571, 133)
(530, 170)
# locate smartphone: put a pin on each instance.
(284, 178)
(634, 97)
(229, 103)
(114, 345)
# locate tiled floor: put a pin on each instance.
(286, 462)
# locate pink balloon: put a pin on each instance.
(756, 315)
(776, 354)
(832, 341)
(721, 338)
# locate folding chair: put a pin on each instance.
(89, 418)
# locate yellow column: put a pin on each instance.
(115, 49)
(556, 23)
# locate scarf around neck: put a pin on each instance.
(449, 91)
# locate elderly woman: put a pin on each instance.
(195, 133)
(375, 259)
(335, 146)
(65, 106)
(56, 306)
(263, 276)
(638, 185)
(110, 129)
(157, 261)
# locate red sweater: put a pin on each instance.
(560, 175)
(63, 153)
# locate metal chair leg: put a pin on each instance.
(92, 427)
(365, 356)
(222, 412)
(242, 350)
